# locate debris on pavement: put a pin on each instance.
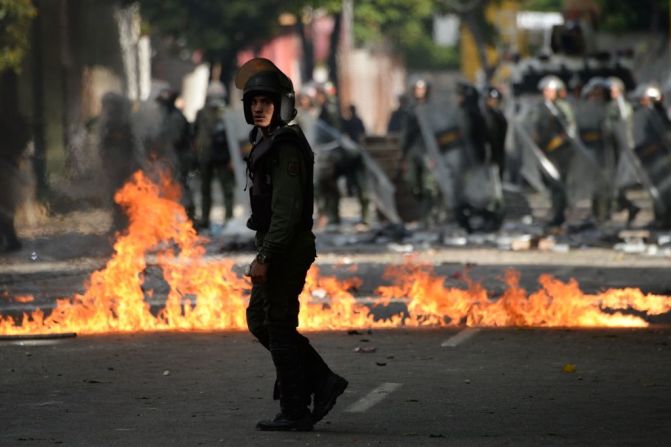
(365, 350)
(569, 368)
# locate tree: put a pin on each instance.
(15, 18)
(220, 29)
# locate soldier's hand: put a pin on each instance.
(258, 272)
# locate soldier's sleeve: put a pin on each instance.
(287, 174)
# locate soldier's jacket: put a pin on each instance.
(591, 121)
(550, 130)
(280, 168)
(206, 120)
(412, 144)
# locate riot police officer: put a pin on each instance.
(652, 144)
(553, 121)
(619, 135)
(413, 154)
(214, 156)
(328, 161)
(497, 127)
(591, 122)
(117, 143)
(174, 144)
(280, 168)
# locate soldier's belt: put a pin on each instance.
(591, 136)
(554, 143)
(448, 139)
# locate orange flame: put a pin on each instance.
(207, 295)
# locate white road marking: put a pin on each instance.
(461, 337)
(374, 397)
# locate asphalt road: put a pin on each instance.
(482, 388)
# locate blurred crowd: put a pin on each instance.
(455, 156)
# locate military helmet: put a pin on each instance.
(493, 92)
(261, 76)
(653, 92)
(421, 84)
(468, 91)
(594, 83)
(615, 82)
(552, 82)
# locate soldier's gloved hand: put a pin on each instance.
(258, 272)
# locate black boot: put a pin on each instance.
(291, 380)
(283, 422)
(326, 395)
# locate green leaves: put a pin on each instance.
(15, 18)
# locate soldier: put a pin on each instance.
(15, 136)
(591, 123)
(619, 134)
(214, 156)
(475, 209)
(652, 144)
(398, 116)
(327, 161)
(553, 121)
(280, 170)
(174, 145)
(353, 168)
(497, 128)
(413, 163)
(117, 149)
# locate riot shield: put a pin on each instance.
(578, 146)
(533, 152)
(653, 153)
(235, 131)
(381, 187)
(434, 159)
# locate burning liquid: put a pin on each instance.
(206, 295)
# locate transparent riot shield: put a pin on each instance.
(590, 121)
(382, 189)
(579, 147)
(236, 131)
(652, 148)
(432, 123)
(534, 159)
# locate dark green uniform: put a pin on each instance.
(550, 124)
(214, 160)
(280, 168)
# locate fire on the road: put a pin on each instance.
(207, 295)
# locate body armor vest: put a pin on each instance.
(259, 172)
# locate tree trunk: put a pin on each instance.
(308, 65)
(39, 139)
(474, 27)
(333, 54)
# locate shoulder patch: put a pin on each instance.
(293, 167)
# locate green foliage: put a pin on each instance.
(542, 5)
(424, 54)
(219, 28)
(623, 16)
(15, 18)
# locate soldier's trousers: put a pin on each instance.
(224, 174)
(561, 158)
(272, 317)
